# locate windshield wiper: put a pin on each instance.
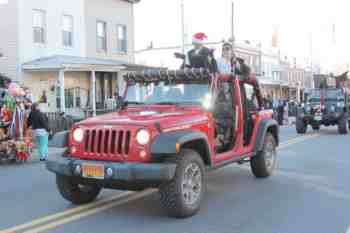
(165, 103)
(134, 102)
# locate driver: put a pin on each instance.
(223, 113)
(201, 56)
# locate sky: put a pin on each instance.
(301, 25)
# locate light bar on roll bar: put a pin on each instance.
(156, 75)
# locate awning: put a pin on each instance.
(72, 63)
(268, 81)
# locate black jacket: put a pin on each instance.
(202, 58)
(38, 120)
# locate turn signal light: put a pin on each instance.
(73, 149)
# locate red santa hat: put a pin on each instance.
(199, 38)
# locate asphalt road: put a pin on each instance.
(308, 193)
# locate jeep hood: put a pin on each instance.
(167, 117)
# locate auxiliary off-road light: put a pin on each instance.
(143, 137)
(109, 172)
(77, 170)
(78, 135)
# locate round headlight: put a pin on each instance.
(340, 105)
(78, 135)
(332, 108)
(143, 137)
(308, 108)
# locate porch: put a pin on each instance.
(75, 85)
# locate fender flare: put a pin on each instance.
(264, 126)
(165, 143)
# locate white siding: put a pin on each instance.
(9, 39)
(113, 12)
(54, 11)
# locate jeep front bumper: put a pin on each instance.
(122, 172)
(323, 118)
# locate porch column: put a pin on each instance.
(61, 84)
(93, 92)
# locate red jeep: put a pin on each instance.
(172, 128)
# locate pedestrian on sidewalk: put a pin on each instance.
(39, 123)
(280, 112)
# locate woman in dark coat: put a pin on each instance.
(39, 123)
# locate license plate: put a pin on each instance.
(94, 171)
(318, 118)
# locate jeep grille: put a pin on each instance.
(107, 142)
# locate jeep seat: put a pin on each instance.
(223, 114)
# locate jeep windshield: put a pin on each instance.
(334, 95)
(315, 96)
(168, 94)
(328, 95)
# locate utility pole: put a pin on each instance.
(183, 27)
(311, 62)
(233, 24)
(260, 60)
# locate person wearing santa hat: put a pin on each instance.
(201, 56)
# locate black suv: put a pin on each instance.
(327, 107)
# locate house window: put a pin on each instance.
(101, 36)
(122, 45)
(39, 22)
(67, 30)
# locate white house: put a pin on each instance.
(270, 78)
(71, 51)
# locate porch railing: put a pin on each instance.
(89, 112)
(59, 122)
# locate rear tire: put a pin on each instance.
(343, 124)
(181, 197)
(76, 193)
(301, 127)
(264, 163)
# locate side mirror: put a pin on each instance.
(180, 56)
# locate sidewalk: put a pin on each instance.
(53, 151)
(291, 121)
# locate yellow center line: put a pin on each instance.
(65, 213)
(70, 215)
(91, 212)
(297, 140)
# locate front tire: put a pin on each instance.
(76, 193)
(301, 127)
(181, 197)
(343, 124)
(316, 127)
(264, 162)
